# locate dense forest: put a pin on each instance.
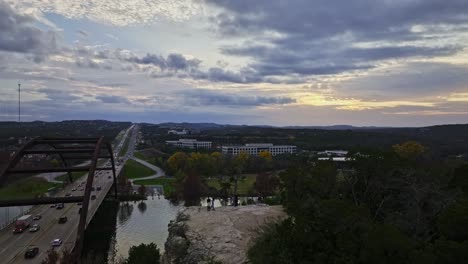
(398, 206)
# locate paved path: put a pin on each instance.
(159, 171)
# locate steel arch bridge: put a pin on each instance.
(68, 149)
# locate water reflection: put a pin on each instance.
(127, 228)
(125, 211)
(142, 207)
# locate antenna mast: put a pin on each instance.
(19, 102)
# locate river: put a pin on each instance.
(118, 226)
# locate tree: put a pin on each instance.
(239, 162)
(192, 189)
(51, 258)
(144, 254)
(265, 160)
(142, 190)
(409, 150)
(265, 184)
(178, 161)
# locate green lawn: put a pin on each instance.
(133, 170)
(75, 175)
(26, 188)
(244, 186)
(167, 183)
(141, 156)
(124, 148)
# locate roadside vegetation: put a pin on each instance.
(124, 148)
(133, 170)
(26, 188)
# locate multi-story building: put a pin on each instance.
(189, 143)
(255, 149)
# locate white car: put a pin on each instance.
(56, 242)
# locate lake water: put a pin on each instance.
(118, 226)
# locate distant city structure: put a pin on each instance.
(177, 132)
(333, 153)
(255, 149)
(189, 143)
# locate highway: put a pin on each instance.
(13, 246)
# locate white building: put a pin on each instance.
(189, 143)
(333, 153)
(176, 132)
(255, 149)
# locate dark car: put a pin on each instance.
(60, 206)
(92, 189)
(63, 220)
(31, 252)
(79, 210)
(99, 188)
(93, 197)
(37, 217)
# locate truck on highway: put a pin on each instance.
(22, 223)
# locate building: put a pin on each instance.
(189, 143)
(255, 149)
(333, 153)
(177, 132)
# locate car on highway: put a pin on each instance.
(74, 189)
(93, 197)
(37, 217)
(31, 252)
(63, 220)
(81, 189)
(108, 177)
(60, 206)
(53, 205)
(79, 203)
(93, 189)
(68, 194)
(99, 188)
(56, 242)
(34, 228)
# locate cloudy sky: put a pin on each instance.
(281, 62)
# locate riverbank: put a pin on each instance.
(223, 235)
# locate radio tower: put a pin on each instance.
(19, 102)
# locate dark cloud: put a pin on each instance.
(58, 95)
(203, 97)
(18, 34)
(411, 80)
(173, 62)
(316, 37)
(86, 63)
(112, 99)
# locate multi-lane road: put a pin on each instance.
(13, 246)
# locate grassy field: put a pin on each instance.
(167, 183)
(141, 156)
(133, 170)
(75, 175)
(244, 186)
(26, 188)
